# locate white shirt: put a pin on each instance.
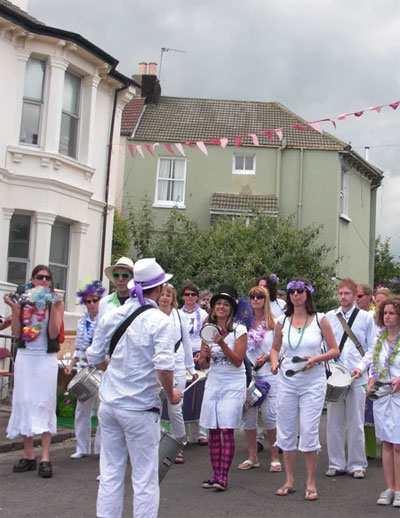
(278, 307)
(364, 329)
(183, 356)
(193, 326)
(130, 380)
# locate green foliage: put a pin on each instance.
(387, 269)
(121, 238)
(234, 252)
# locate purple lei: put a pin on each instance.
(256, 336)
(393, 349)
(195, 331)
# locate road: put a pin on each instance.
(71, 493)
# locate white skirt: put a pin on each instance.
(387, 418)
(35, 394)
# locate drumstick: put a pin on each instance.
(191, 385)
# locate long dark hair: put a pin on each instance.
(309, 305)
(272, 286)
(41, 267)
(213, 319)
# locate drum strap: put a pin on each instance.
(348, 332)
(124, 326)
(178, 343)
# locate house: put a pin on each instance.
(315, 177)
(61, 106)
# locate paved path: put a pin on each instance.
(71, 493)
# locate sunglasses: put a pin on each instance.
(361, 296)
(189, 294)
(299, 290)
(40, 277)
(91, 301)
(257, 296)
(121, 275)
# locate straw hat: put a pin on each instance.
(123, 262)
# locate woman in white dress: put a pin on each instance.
(225, 390)
(168, 303)
(37, 329)
(300, 398)
(384, 360)
(259, 344)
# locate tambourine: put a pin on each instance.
(208, 332)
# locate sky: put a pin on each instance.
(320, 58)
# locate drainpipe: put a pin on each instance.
(278, 172)
(300, 195)
(106, 194)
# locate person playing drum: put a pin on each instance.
(384, 359)
(300, 398)
(225, 390)
(89, 296)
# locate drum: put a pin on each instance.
(192, 400)
(338, 383)
(168, 450)
(85, 384)
(253, 394)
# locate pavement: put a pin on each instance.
(72, 491)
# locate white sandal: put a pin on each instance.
(248, 464)
(396, 500)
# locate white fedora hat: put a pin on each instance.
(148, 273)
(123, 262)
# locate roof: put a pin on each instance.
(222, 203)
(14, 14)
(181, 119)
(131, 115)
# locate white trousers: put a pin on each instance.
(83, 427)
(137, 434)
(268, 415)
(175, 411)
(350, 410)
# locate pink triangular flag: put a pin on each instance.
(269, 134)
(255, 138)
(376, 109)
(147, 146)
(224, 142)
(179, 147)
(156, 144)
(130, 149)
(394, 105)
(315, 126)
(139, 150)
(238, 141)
(169, 148)
(279, 133)
(202, 147)
(358, 114)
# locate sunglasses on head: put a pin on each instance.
(299, 290)
(91, 301)
(40, 277)
(190, 294)
(257, 296)
(121, 275)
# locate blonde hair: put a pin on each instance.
(268, 316)
(170, 289)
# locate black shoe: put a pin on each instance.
(45, 469)
(260, 447)
(24, 465)
(220, 486)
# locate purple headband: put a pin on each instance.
(95, 288)
(138, 288)
(299, 284)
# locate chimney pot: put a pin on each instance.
(142, 68)
(152, 69)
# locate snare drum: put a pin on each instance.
(85, 384)
(168, 450)
(338, 383)
(192, 400)
(253, 394)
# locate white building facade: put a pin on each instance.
(61, 105)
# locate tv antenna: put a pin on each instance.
(165, 49)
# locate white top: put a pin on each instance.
(183, 356)
(108, 303)
(219, 360)
(193, 326)
(393, 370)
(259, 341)
(278, 307)
(130, 380)
(40, 343)
(84, 337)
(364, 329)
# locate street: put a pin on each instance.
(71, 493)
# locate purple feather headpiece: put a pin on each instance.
(244, 313)
(274, 278)
(299, 284)
(95, 288)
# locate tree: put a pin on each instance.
(235, 252)
(121, 240)
(387, 269)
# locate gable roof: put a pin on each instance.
(180, 119)
(131, 115)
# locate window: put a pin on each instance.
(170, 186)
(70, 115)
(344, 196)
(244, 164)
(33, 101)
(18, 249)
(59, 252)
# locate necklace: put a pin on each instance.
(301, 336)
(393, 348)
(30, 332)
(256, 336)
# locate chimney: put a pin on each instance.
(143, 68)
(152, 69)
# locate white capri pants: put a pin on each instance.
(175, 411)
(299, 406)
(267, 411)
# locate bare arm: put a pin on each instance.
(276, 348)
(167, 381)
(15, 316)
(56, 318)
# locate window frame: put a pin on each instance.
(33, 102)
(344, 195)
(62, 265)
(244, 156)
(21, 260)
(170, 203)
(73, 116)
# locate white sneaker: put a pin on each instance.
(359, 473)
(386, 497)
(79, 455)
(396, 500)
